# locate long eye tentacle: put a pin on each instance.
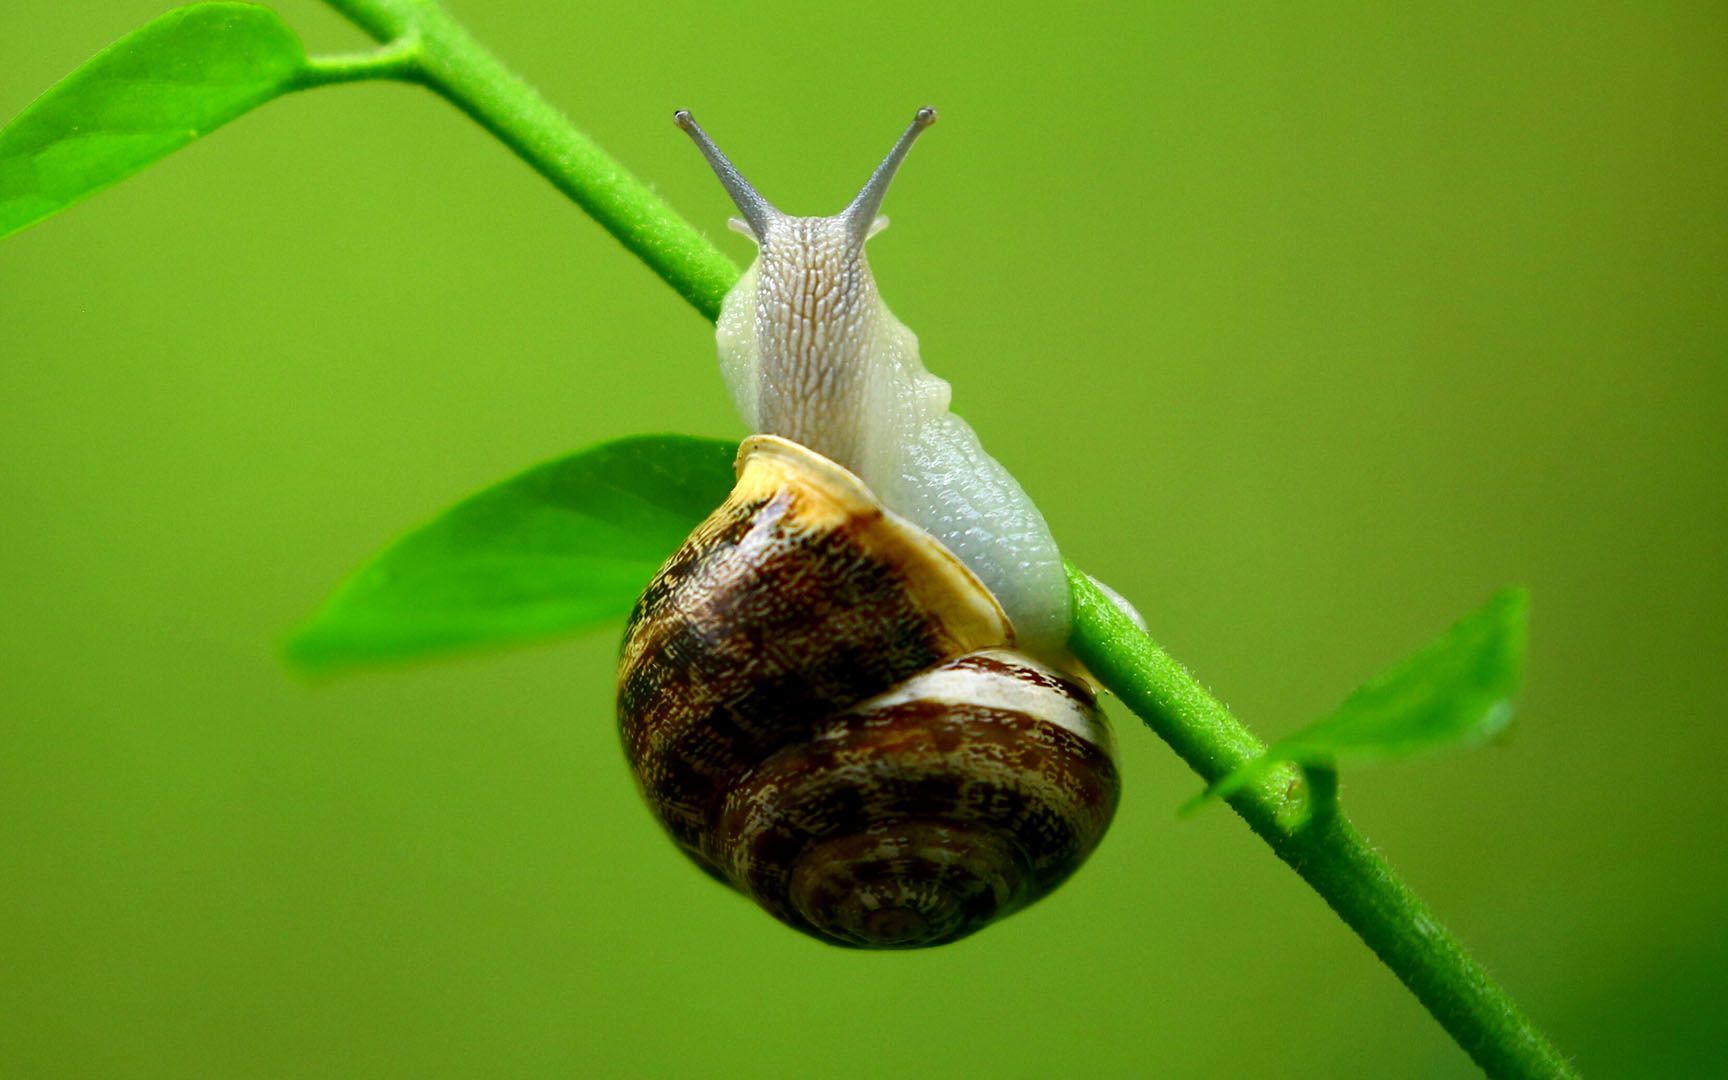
(860, 214)
(757, 211)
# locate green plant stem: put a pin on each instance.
(1322, 846)
(456, 66)
(1317, 841)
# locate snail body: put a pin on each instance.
(810, 352)
(826, 695)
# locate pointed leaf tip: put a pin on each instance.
(564, 547)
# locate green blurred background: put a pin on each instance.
(1307, 325)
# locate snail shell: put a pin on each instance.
(824, 708)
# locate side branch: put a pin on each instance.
(399, 60)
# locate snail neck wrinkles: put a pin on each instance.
(815, 310)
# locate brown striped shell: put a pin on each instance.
(824, 708)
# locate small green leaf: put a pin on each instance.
(565, 546)
(1456, 691)
(150, 93)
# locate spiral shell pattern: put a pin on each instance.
(824, 709)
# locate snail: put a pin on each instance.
(847, 695)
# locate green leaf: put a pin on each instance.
(150, 93)
(565, 546)
(1456, 691)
